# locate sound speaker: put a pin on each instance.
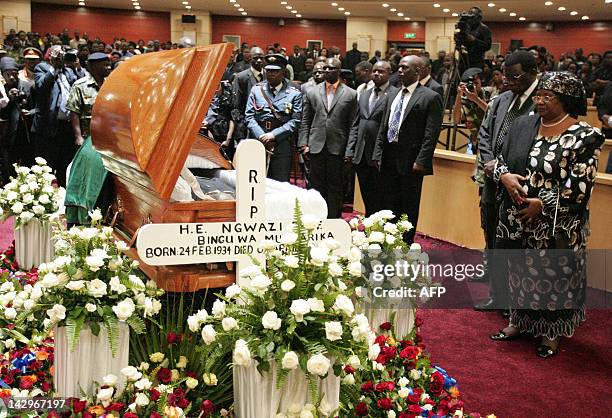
(549, 27)
(281, 22)
(188, 19)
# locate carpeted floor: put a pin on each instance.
(508, 379)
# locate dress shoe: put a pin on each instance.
(486, 305)
(502, 336)
(545, 351)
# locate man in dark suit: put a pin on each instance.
(242, 84)
(363, 136)
(406, 142)
(352, 58)
(298, 60)
(520, 71)
(329, 111)
(427, 80)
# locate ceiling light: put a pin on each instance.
(294, 11)
(406, 18)
(187, 7)
(232, 1)
(400, 14)
(288, 7)
(81, 3)
(243, 13)
(185, 2)
(236, 5)
(393, 10)
(341, 9)
(241, 10)
(136, 4)
(608, 1)
(548, 3)
(561, 8)
(333, 4)
(446, 10)
(137, 7)
(522, 18)
(385, 5)
(283, 2)
(455, 14)
(436, 5)
(502, 10)
(512, 14)
(585, 18)
(298, 15)
(573, 13)
(491, 4)
(347, 13)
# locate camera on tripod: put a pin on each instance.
(463, 27)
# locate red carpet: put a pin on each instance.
(508, 379)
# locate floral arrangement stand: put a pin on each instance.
(403, 318)
(33, 244)
(257, 394)
(78, 370)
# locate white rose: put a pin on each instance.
(405, 225)
(390, 228)
(318, 365)
(193, 323)
(202, 315)
(354, 362)
(310, 222)
(415, 246)
(11, 196)
(354, 254)
(403, 381)
(10, 313)
(57, 313)
(151, 306)
(116, 285)
(182, 363)
(44, 199)
(316, 305)
(96, 288)
(306, 414)
(373, 351)
(26, 216)
(75, 285)
(141, 399)
(209, 334)
(124, 309)
(333, 330)
(110, 380)
(344, 304)
(94, 263)
(287, 285)
(331, 243)
(267, 245)
(28, 198)
(157, 357)
(290, 361)
(191, 382)
(242, 354)
(270, 320)
(367, 222)
(143, 384)
(391, 414)
(319, 255)
(261, 283)
(403, 392)
(232, 291)
(218, 308)
(377, 236)
(415, 374)
(17, 208)
(250, 271)
(349, 379)
(229, 323)
(28, 304)
(291, 261)
(210, 379)
(105, 395)
(325, 407)
(48, 177)
(95, 215)
(335, 270)
(10, 344)
(40, 161)
(299, 308)
(38, 209)
(289, 238)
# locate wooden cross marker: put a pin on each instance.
(214, 242)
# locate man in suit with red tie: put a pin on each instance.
(406, 142)
(363, 136)
(329, 110)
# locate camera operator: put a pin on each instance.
(472, 38)
(470, 104)
(219, 121)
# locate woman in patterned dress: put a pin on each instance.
(548, 167)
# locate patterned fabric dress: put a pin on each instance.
(548, 278)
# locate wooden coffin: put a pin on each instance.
(145, 123)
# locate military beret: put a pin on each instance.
(275, 62)
(8, 64)
(470, 72)
(97, 56)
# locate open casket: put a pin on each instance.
(145, 124)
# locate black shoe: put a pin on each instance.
(502, 336)
(506, 313)
(486, 305)
(545, 351)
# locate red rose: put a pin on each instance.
(386, 326)
(381, 387)
(418, 338)
(52, 414)
(349, 369)
(409, 353)
(406, 343)
(154, 394)
(436, 388)
(415, 409)
(385, 403)
(117, 406)
(361, 409)
(207, 407)
(382, 359)
(155, 415)
(130, 415)
(381, 340)
(367, 387)
(390, 385)
(87, 414)
(183, 403)
(389, 352)
(414, 398)
(418, 321)
(191, 374)
(173, 338)
(164, 375)
(78, 406)
(27, 382)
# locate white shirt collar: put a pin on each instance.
(411, 88)
(383, 87)
(530, 90)
(255, 72)
(425, 80)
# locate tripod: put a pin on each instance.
(451, 87)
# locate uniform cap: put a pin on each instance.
(97, 56)
(33, 53)
(275, 62)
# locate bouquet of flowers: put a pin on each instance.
(403, 383)
(27, 372)
(91, 282)
(31, 194)
(296, 312)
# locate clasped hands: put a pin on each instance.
(534, 205)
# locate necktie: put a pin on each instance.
(508, 119)
(395, 121)
(374, 98)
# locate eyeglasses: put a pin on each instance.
(515, 77)
(542, 99)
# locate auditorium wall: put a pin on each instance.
(16, 10)
(101, 22)
(266, 30)
(564, 36)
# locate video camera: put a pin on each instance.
(466, 22)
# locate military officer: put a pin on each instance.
(83, 95)
(273, 114)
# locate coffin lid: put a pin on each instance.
(149, 110)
